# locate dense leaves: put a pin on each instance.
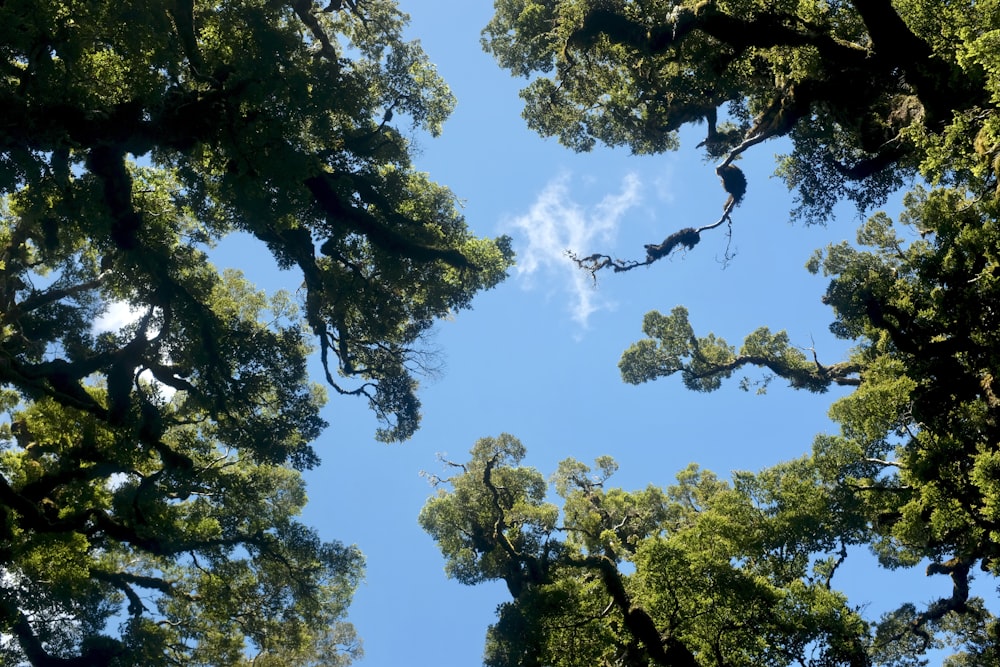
(867, 92)
(916, 450)
(710, 573)
(149, 475)
(252, 118)
(923, 419)
(699, 573)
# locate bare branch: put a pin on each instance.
(687, 238)
(894, 464)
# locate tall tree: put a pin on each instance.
(702, 573)
(710, 573)
(869, 93)
(917, 449)
(149, 479)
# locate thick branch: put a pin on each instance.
(134, 579)
(938, 87)
(73, 471)
(108, 163)
(42, 298)
(58, 379)
(99, 655)
(884, 463)
(303, 9)
(762, 31)
(123, 582)
(516, 577)
(799, 378)
(668, 652)
(500, 525)
(340, 213)
(958, 570)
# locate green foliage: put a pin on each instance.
(869, 94)
(495, 511)
(202, 553)
(912, 472)
(704, 362)
(699, 573)
(149, 477)
(704, 573)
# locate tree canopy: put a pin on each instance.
(150, 473)
(868, 93)
(715, 573)
(707, 572)
(699, 573)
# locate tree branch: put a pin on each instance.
(894, 464)
(340, 213)
(958, 570)
(100, 655)
(798, 378)
(38, 299)
(668, 652)
(303, 9)
(897, 46)
(766, 30)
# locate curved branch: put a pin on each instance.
(938, 87)
(362, 222)
(303, 9)
(765, 30)
(958, 570)
(38, 299)
(686, 238)
(534, 571)
(799, 378)
(665, 651)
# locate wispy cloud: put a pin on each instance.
(555, 223)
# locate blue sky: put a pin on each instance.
(537, 357)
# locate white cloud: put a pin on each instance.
(555, 224)
(117, 315)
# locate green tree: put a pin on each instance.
(869, 95)
(700, 573)
(149, 476)
(703, 573)
(917, 444)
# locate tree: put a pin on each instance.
(703, 573)
(149, 478)
(870, 95)
(700, 573)
(917, 447)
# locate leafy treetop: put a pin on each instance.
(268, 118)
(916, 454)
(709, 573)
(149, 473)
(868, 92)
(702, 573)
